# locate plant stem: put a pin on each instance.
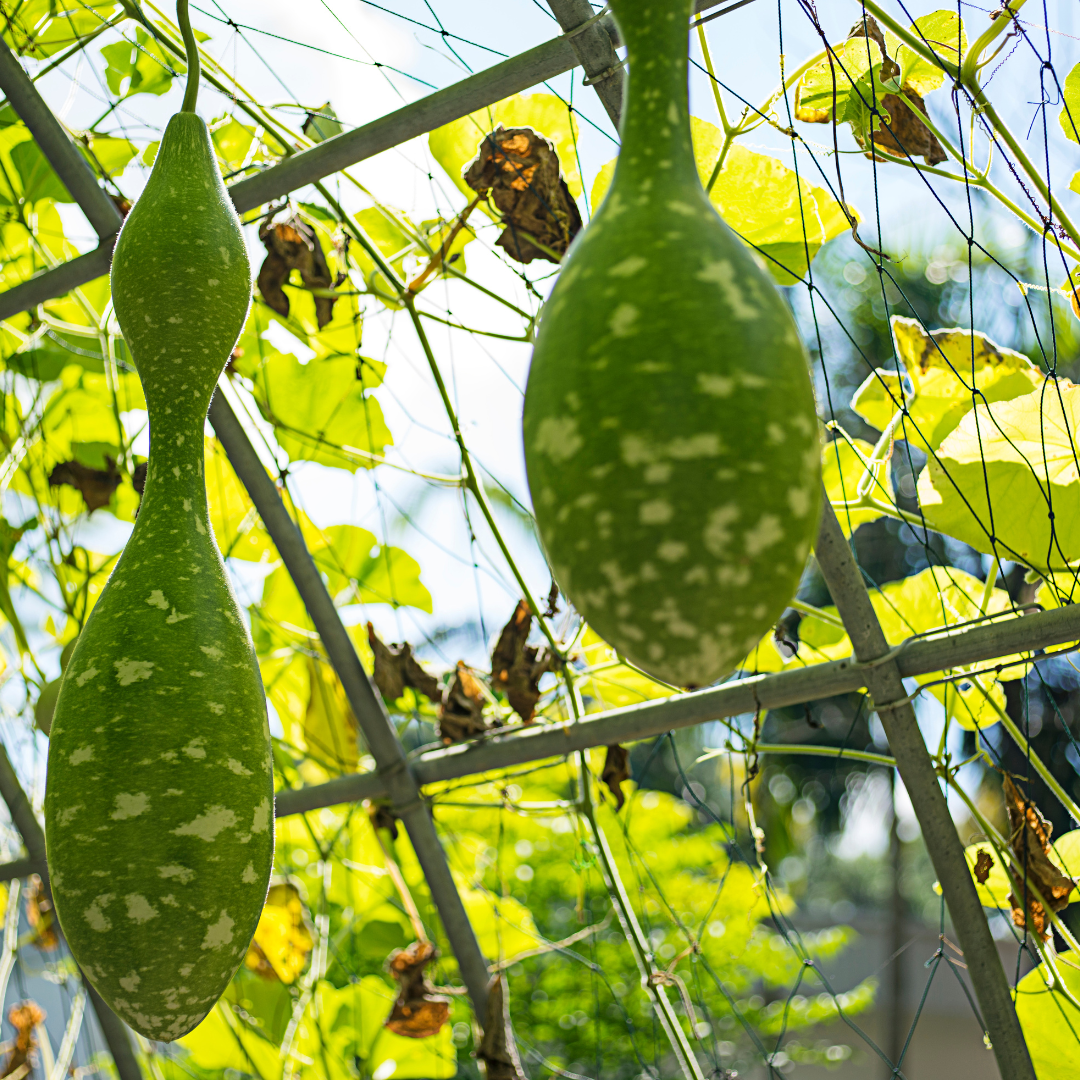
(635, 936)
(191, 47)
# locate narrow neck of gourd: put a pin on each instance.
(175, 468)
(655, 128)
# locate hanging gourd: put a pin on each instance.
(159, 802)
(670, 431)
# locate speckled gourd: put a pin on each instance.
(159, 801)
(670, 432)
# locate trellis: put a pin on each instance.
(588, 41)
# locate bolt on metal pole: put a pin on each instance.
(113, 1029)
(365, 701)
(55, 143)
(894, 709)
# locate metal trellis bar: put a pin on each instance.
(485, 88)
(595, 51)
(113, 1029)
(894, 709)
(365, 701)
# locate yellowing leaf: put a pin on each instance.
(232, 140)
(1021, 453)
(282, 941)
(842, 470)
(455, 144)
(381, 574)
(609, 684)
(836, 79)
(330, 728)
(942, 31)
(944, 367)
(237, 527)
(1069, 117)
(1049, 1018)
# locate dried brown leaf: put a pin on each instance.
(41, 916)
(397, 668)
(292, 245)
(498, 1048)
(516, 667)
(23, 1017)
(520, 170)
(418, 1011)
(382, 816)
(462, 713)
(1029, 838)
(615, 772)
(95, 485)
(983, 865)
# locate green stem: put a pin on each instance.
(912, 41)
(191, 91)
(970, 66)
(816, 613)
(809, 748)
(639, 943)
(704, 43)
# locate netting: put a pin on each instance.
(679, 905)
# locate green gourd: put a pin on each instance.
(671, 439)
(159, 800)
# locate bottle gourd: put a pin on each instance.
(670, 431)
(159, 802)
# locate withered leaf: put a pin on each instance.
(40, 915)
(397, 668)
(1029, 838)
(983, 865)
(293, 245)
(462, 713)
(615, 772)
(95, 485)
(24, 1016)
(520, 170)
(283, 938)
(382, 816)
(516, 667)
(498, 1048)
(418, 1011)
(902, 133)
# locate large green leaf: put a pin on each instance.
(237, 528)
(108, 154)
(456, 144)
(945, 368)
(834, 85)
(1009, 471)
(37, 176)
(1050, 1020)
(943, 31)
(146, 68)
(321, 410)
(232, 140)
(41, 28)
(381, 574)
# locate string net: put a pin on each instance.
(679, 905)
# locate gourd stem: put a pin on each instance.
(191, 91)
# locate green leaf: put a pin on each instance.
(144, 65)
(224, 1041)
(994, 892)
(1049, 1019)
(321, 410)
(456, 144)
(108, 154)
(322, 124)
(381, 575)
(1021, 456)
(232, 140)
(38, 178)
(943, 31)
(42, 28)
(842, 470)
(838, 80)
(237, 528)
(1069, 117)
(944, 367)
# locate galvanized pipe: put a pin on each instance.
(893, 706)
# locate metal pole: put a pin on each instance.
(444, 106)
(113, 1030)
(595, 52)
(894, 709)
(365, 701)
(72, 168)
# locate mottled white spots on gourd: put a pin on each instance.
(147, 818)
(676, 496)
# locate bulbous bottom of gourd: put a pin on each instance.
(671, 440)
(159, 802)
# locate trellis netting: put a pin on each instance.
(635, 883)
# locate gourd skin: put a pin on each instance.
(159, 801)
(670, 431)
